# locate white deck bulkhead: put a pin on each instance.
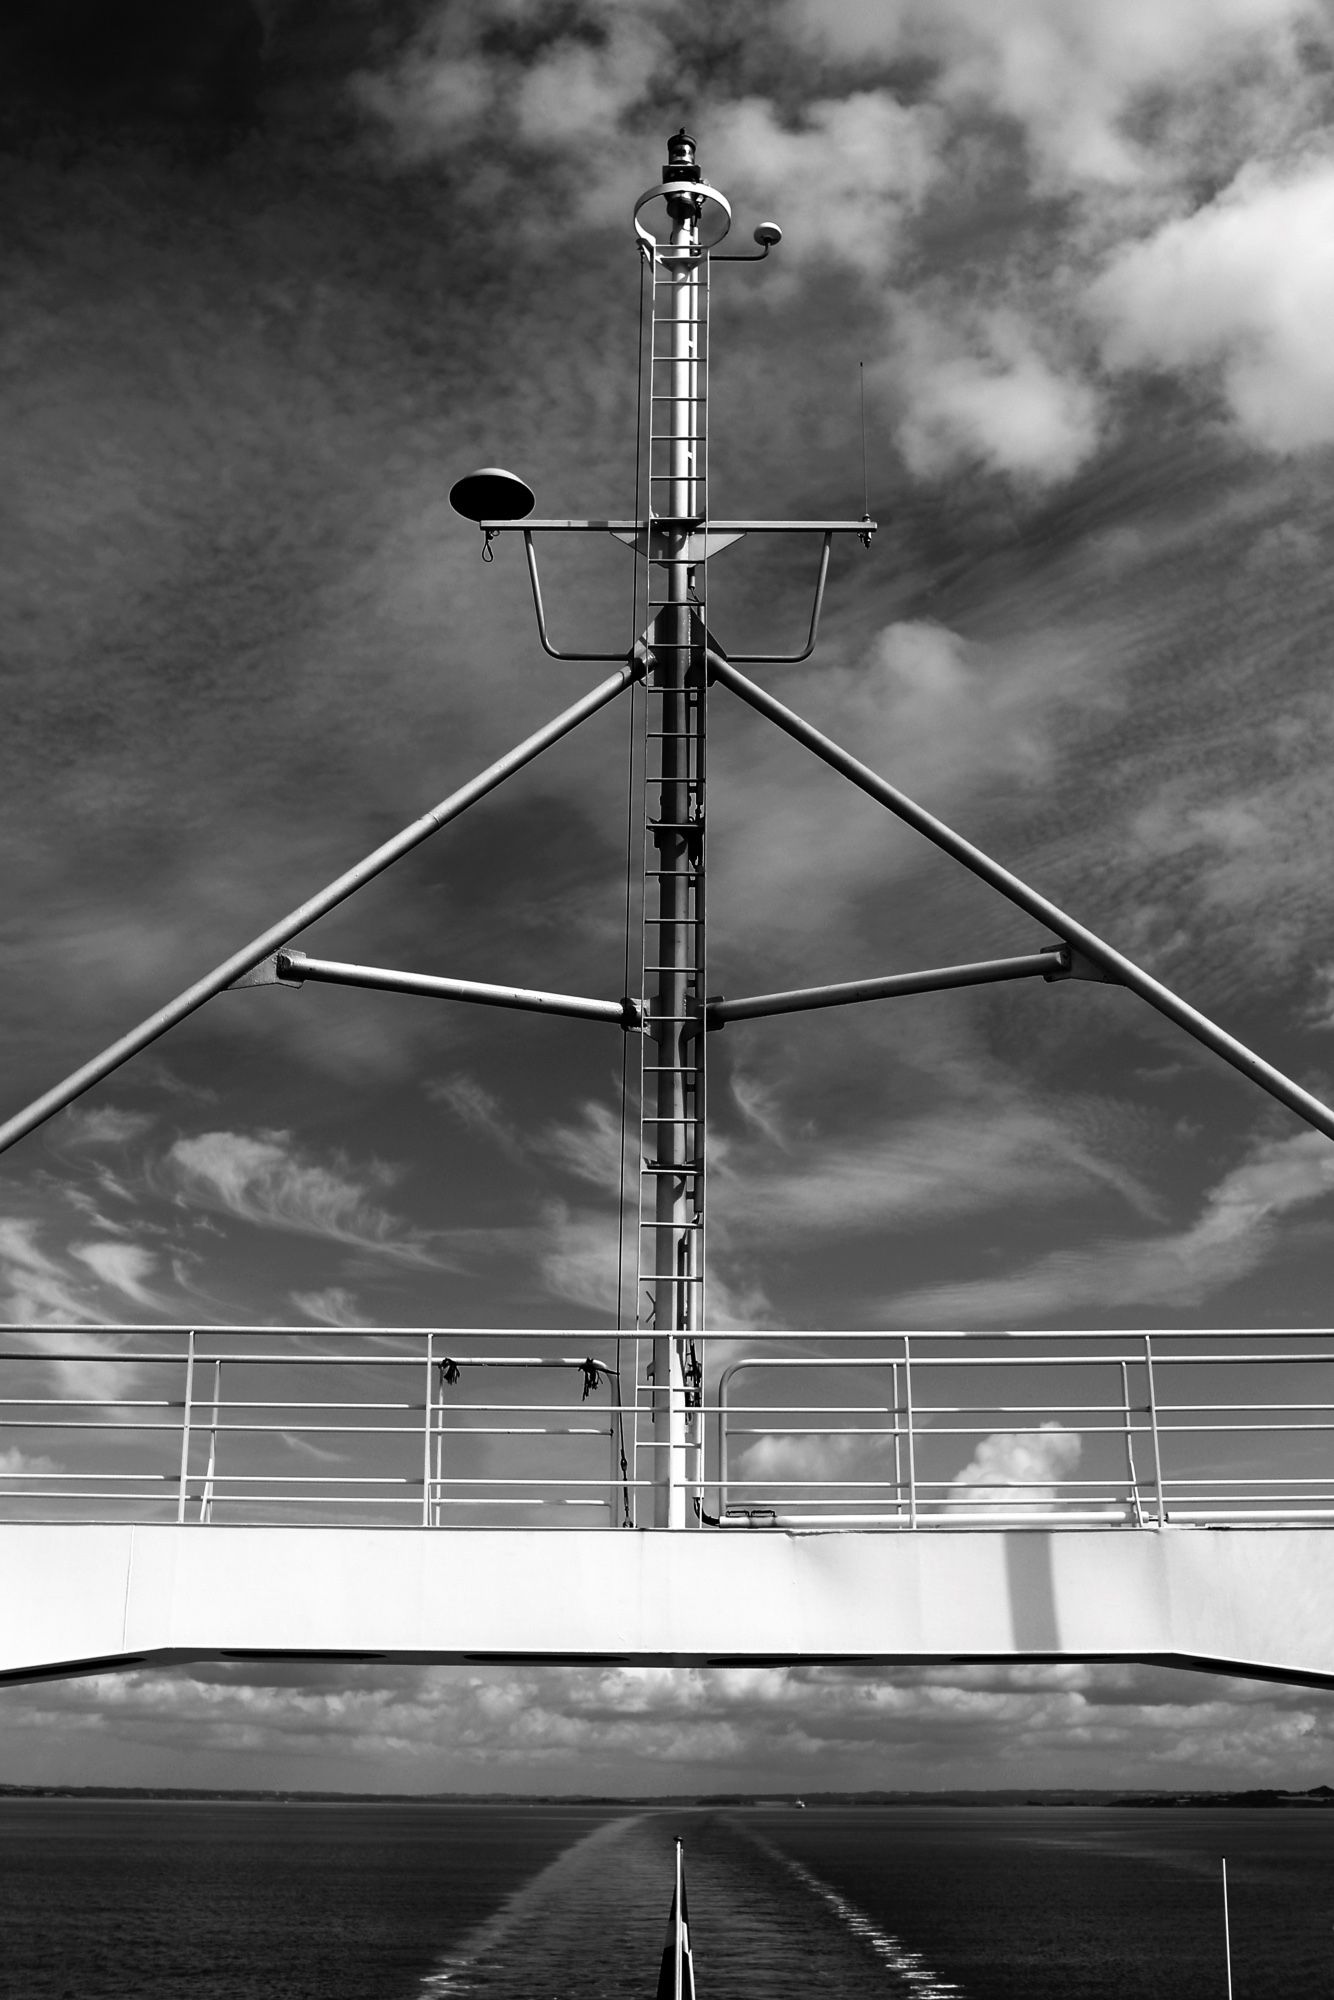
(85, 1596)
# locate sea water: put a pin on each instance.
(157, 1900)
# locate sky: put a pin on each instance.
(276, 275)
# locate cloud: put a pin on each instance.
(478, 1110)
(977, 386)
(1073, 76)
(1235, 1231)
(36, 1285)
(333, 1305)
(457, 81)
(263, 1179)
(842, 177)
(579, 88)
(124, 1266)
(18, 1464)
(809, 1471)
(1037, 1462)
(1240, 290)
(101, 1125)
(577, 1260)
(653, 1728)
(949, 1163)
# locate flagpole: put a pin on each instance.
(677, 1907)
(1227, 1933)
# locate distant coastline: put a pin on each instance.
(1316, 1797)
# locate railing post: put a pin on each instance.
(182, 1477)
(724, 1383)
(614, 1419)
(206, 1496)
(912, 1447)
(898, 1443)
(1135, 1507)
(1153, 1428)
(428, 1404)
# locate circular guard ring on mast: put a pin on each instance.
(706, 194)
(492, 494)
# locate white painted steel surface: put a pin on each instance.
(1245, 1599)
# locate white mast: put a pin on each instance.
(670, 1277)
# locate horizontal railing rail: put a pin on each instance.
(437, 1427)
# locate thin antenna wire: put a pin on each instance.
(866, 484)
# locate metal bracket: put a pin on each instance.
(275, 970)
(1075, 964)
(791, 659)
(676, 544)
(547, 647)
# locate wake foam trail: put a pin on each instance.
(591, 1925)
(556, 1928)
(907, 1967)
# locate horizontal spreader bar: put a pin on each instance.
(691, 521)
(1050, 963)
(292, 967)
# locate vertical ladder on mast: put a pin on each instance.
(670, 1238)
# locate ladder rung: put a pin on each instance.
(682, 1172)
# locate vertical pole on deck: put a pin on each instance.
(1227, 1936)
(183, 1478)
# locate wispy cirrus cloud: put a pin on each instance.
(332, 1305)
(265, 1179)
(1236, 1230)
(951, 1163)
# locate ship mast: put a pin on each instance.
(670, 1236)
(675, 659)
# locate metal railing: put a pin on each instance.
(447, 1428)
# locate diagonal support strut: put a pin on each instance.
(233, 969)
(1112, 963)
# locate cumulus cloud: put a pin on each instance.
(643, 1729)
(979, 387)
(264, 1179)
(1242, 289)
(458, 77)
(1072, 72)
(843, 177)
(807, 1472)
(1033, 1462)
